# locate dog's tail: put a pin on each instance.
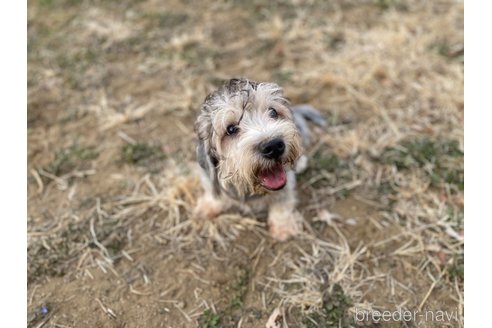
(303, 114)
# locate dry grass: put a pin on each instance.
(113, 89)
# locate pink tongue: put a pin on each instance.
(274, 178)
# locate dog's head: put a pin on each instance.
(247, 137)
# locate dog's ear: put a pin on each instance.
(205, 153)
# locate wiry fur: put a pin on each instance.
(231, 163)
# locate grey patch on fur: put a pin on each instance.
(303, 114)
(229, 88)
(202, 156)
(238, 85)
(208, 164)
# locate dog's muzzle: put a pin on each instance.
(273, 149)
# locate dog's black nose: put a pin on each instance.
(273, 149)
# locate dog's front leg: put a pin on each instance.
(284, 220)
(210, 204)
(208, 207)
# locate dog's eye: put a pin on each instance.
(272, 113)
(232, 129)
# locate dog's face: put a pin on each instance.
(247, 137)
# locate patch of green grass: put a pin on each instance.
(456, 215)
(140, 152)
(387, 193)
(235, 308)
(115, 245)
(74, 65)
(51, 257)
(195, 52)
(50, 4)
(441, 159)
(450, 176)
(282, 76)
(46, 3)
(71, 115)
(335, 170)
(334, 40)
(334, 312)
(240, 289)
(166, 19)
(264, 47)
(386, 188)
(216, 81)
(260, 10)
(388, 4)
(419, 152)
(457, 269)
(383, 4)
(70, 158)
(449, 52)
(328, 162)
(209, 319)
(54, 255)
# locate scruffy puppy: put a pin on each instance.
(249, 143)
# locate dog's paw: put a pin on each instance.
(285, 226)
(207, 208)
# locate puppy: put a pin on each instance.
(249, 144)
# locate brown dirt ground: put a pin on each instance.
(113, 91)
